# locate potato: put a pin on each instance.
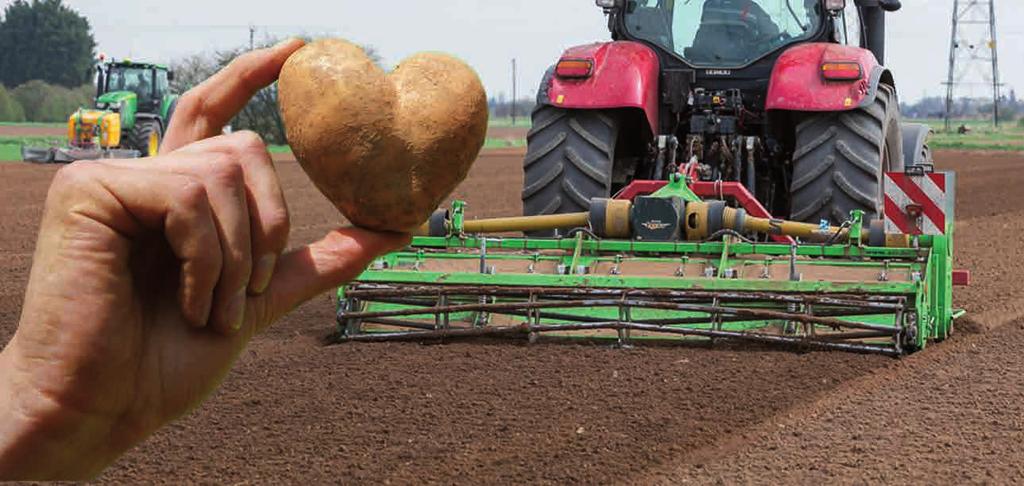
(386, 149)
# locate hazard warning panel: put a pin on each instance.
(919, 201)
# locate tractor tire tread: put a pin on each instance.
(138, 137)
(545, 180)
(543, 151)
(855, 159)
(573, 156)
(838, 160)
(568, 161)
(813, 145)
(814, 173)
(589, 137)
(844, 184)
(540, 124)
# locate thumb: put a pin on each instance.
(338, 258)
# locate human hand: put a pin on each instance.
(149, 278)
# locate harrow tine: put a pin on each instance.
(711, 310)
(841, 300)
(526, 329)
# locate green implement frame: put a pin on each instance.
(842, 294)
(846, 297)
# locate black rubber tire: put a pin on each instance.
(170, 113)
(138, 139)
(569, 158)
(840, 158)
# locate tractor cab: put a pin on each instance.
(723, 33)
(150, 83)
(735, 44)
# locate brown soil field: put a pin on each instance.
(294, 410)
(19, 131)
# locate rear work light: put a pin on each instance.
(574, 68)
(842, 71)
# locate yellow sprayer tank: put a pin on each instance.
(84, 126)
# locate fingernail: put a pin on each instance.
(262, 274)
(236, 311)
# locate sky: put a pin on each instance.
(487, 34)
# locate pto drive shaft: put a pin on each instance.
(661, 219)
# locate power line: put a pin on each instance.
(973, 51)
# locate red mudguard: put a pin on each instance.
(797, 83)
(625, 75)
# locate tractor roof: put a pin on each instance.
(144, 65)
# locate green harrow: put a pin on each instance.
(665, 267)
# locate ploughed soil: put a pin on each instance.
(31, 131)
(294, 410)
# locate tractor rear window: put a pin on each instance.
(723, 33)
(137, 80)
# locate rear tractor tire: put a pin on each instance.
(840, 160)
(569, 159)
(146, 137)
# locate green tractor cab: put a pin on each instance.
(133, 108)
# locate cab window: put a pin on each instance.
(723, 33)
(162, 84)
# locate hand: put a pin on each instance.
(149, 278)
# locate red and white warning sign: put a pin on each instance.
(918, 203)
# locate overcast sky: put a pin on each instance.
(485, 33)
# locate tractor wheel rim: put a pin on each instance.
(154, 144)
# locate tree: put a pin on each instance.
(10, 109)
(46, 103)
(261, 114)
(191, 70)
(45, 40)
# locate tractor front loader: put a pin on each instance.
(719, 170)
(131, 112)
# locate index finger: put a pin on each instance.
(203, 111)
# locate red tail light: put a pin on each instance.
(574, 68)
(842, 71)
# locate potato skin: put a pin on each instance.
(386, 149)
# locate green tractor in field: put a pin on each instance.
(132, 111)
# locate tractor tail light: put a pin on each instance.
(574, 68)
(842, 71)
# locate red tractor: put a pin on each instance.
(790, 98)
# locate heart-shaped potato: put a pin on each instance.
(386, 149)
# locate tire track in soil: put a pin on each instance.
(480, 413)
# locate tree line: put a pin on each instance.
(1010, 108)
(46, 56)
(47, 61)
